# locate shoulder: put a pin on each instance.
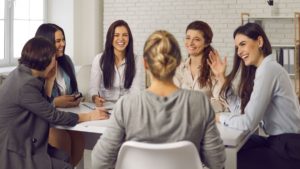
(98, 56)
(269, 68)
(68, 59)
(131, 98)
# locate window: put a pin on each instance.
(19, 20)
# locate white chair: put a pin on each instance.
(140, 155)
(83, 79)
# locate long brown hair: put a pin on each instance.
(205, 71)
(246, 83)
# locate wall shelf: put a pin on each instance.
(271, 17)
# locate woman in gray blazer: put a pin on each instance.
(26, 111)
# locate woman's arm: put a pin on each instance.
(49, 81)
(261, 97)
(212, 147)
(105, 152)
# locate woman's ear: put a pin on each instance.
(260, 41)
(146, 66)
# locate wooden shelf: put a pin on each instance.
(291, 46)
(271, 17)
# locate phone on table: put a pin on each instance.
(77, 95)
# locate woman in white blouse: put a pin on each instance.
(116, 71)
(194, 73)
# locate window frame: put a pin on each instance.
(9, 59)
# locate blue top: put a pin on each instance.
(67, 80)
(273, 102)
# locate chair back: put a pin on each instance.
(140, 155)
(83, 79)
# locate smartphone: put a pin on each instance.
(77, 95)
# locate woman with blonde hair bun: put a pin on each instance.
(163, 112)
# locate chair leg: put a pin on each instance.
(80, 165)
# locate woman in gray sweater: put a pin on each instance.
(163, 113)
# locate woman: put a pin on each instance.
(194, 73)
(117, 70)
(26, 111)
(265, 96)
(63, 93)
(162, 113)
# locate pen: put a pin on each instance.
(99, 94)
(90, 107)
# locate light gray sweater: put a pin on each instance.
(146, 117)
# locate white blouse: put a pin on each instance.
(117, 90)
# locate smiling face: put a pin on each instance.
(59, 43)
(194, 42)
(121, 39)
(249, 50)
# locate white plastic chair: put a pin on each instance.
(83, 79)
(140, 155)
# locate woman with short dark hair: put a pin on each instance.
(26, 111)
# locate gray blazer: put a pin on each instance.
(25, 114)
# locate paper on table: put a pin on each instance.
(95, 123)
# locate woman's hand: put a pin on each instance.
(97, 114)
(98, 100)
(66, 101)
(49, 80)
(217, 66)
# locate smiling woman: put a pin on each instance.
(194, 73)
(265, 97)
(117, 71)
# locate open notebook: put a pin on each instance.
(96, 126)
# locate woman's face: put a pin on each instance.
(248, 49)
(194, 42)
(121, 39)
(59, 43)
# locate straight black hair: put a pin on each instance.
(47, 30)
(107, 61)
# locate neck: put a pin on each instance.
(196, 60)
(162, 88)
(119, 56)
(261, 58)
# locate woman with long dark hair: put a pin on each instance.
(194, 73)
(117, 71)
(264, 96)
(63, 92)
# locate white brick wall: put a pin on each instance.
(223, 16)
